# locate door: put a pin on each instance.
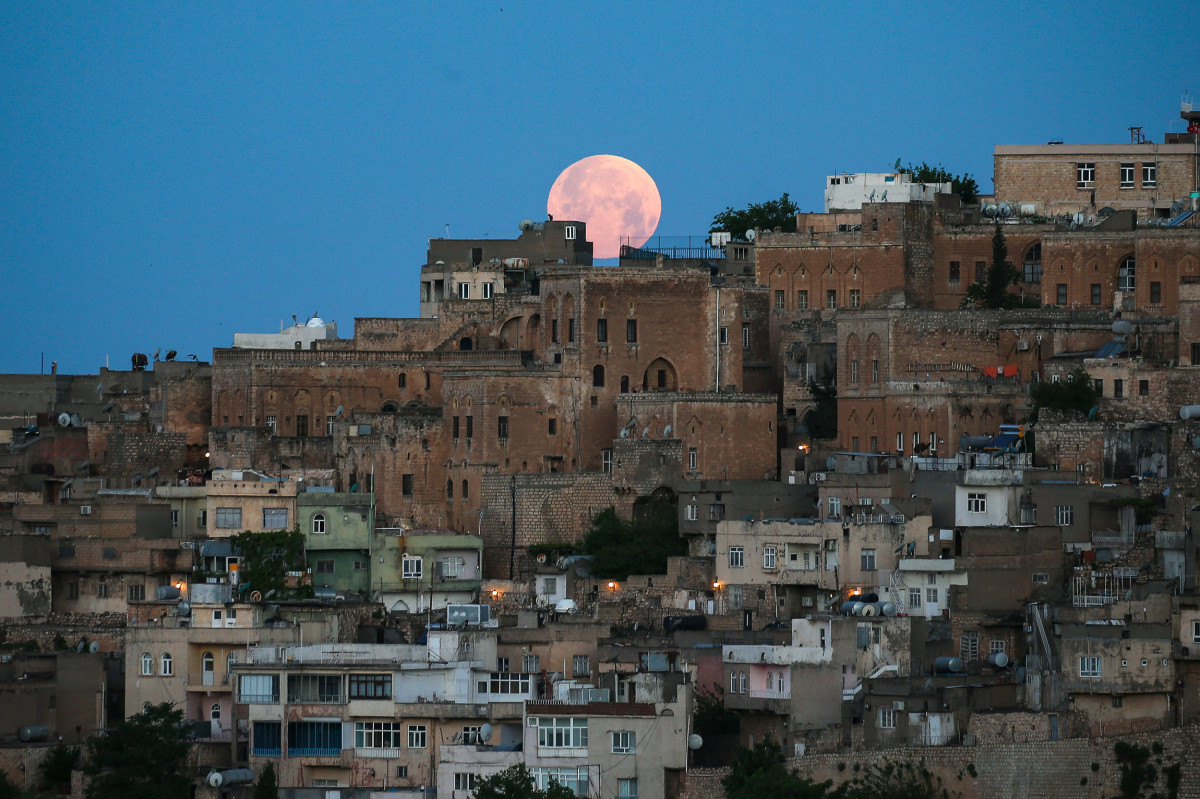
(217, 618)
(207, 673)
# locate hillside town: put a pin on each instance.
(919, 475)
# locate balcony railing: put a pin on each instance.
(314, 751)
(264, 751)
(258, 699)
(368, 751)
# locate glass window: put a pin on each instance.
(955, 271)
(370, 686)
(314, 738)
(167, 664)
(831, 300)
(976, 503)
(624, 742)
(1096, 296)
(802, 299)
(1060, 293)
(1089, 666)
(768, 557)
(318, 524)
(321, 689)
(631, 333)
(531, 664)
(562, 732)
(737, 557)
(601, 331)
(275, 518)
(258, 689)
(229, 518)
(1127, 176)
(267, 739)
(417, 736)
(855, 298)
(377, 734)
(887, 718)
(504, 682)
(1033, 264)
(627, 788)
(1149, 175)
(412, 568)
(868, 560)
(147, 664)
(1085, 175)
(579, 666)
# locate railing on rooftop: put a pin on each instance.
(671, 247)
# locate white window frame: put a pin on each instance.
(418, 736)
(488, 289)
(691, 512)
(1064, 515)
(1085, 174)
(229, 518)
(693, 458)
(273, 424)
(412, 567)
(1149, 176)
(624, 742)
(464, 291)
(147, 664)
(1196, 631)
(887, 718)
(802, 300)
(1090, 667)
(867, 560)
(318, 524)
(976, 503)
(453, 566)
(769, 557)
(569, 232)
(562, 732)
(166, 664)
(914, 599)
(465, 780)
(931, 596)
(737, 557)
(627, 788)
(1127, 172)
(275, 518)
(377, 734)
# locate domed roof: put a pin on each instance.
(316, 321)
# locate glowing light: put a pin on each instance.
(717, 586)
(615, 198)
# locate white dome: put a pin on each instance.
(316, 321)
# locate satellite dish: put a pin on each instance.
(1078, 219)
(64, 419)
(184, 608)
(830, 462)
(1004, 210)
(171, 354)
(255, 596)
(94, 647)
(695, 742)
(666, 431)
(624, 432)
(750, 234)
(76, 420)
(340, 410)
(485, 733)
(526, 224)
(541, 558)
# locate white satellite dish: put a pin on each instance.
(750, 234)
(485, 733)
(526, 224)
(695, 741)
(64, 419)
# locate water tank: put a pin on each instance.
(856, 608)
(233, 776)
(998, 659)
(1122, 328)
(847, 608)
(1189, 412)
(946, 665)
(184, 608)
(869, 609)
(325, 592)
(887, 608)
(38, 732)
(166, 592)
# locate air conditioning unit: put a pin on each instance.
(85, 510)
(819, 477)
(1022, 346)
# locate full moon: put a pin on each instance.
(615, 197)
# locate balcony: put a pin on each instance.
(314, 751)
(369, 752)
(263, 751)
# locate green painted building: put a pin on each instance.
(417, 569)
(338, 533)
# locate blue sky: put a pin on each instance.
(173, 172)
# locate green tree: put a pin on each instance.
(517, 782)
(1076, 393)
(963, 185)
(762, 772)
(821, 421)
(620, 548)
(141, 757)
(267, 557)
(57, 767)
(993, 292)
(769, 215)
(266, 786)
(711, 716)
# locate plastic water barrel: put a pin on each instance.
(887, 608)
(998, 659)
(947, 665)
(37, 732)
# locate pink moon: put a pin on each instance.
(615, 197)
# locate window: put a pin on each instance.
(955, 271)
(780, 301)
(470, 427)
(302, 424)
(1041, 578)
(631, 331)
(606, 461)
(914, 598)
(724, 335)
(835, 507)
(147, 664)
(574, 779)
(693, 458)
(737, 557)
(855, 298)
(502, 427)
(505, 683)
(268, 739)
(1143, 388)
(412, 568)
(981, 271)
(598, 376)
(258, 689)
(562, 732)
(601, 331)
(1060, 294)
(853, 371)
(272, 425)
(1126, 176)
(552, 426)
(1033, 264)
(314, 738)
(454, 427)
(627, 788)
(569, 232)
(1155, 293)
(166, 665)
(137, 593)
(867, 560)
(554, 331)
(996, 646)
(1096, 296)
(716, 512)
(1089, 666)
(329, 425)
(831, 299)
(465, 780)
(579, 666)
(1118, 388)
(376, 735)
(931, 596)
(102, 591)
(1196, 632)
(488, 289)
(322, 689)
(1085, 175)
(465, 491)
(417, 736)
(1028, 513)
(471, 734)
(531, 664)
(1127, 274)
(874, 370)
(900, 443)
(1064, 515)
(402, 380)
(802, 300)
(745, 337)
(318, 524)
(768, 557)
(570, 331)
(229, 518)
(969, 646)
(624, 742)
(887, 718)
(976, 503)
(406, 485)
(174, 518)
(1099, 386)
(691, 512)
(370, 686)
(1149, 176)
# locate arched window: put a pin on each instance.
(1033, 264)
(624, 384)
(449, 489)
(598, 376)
(319, 523)
(166, 665)
(207, 661)
(147, 664)
(874, 224)
(214, 712)
(733, 682)
(1127, 274)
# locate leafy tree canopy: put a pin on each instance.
(711, 716)
(620, 548)
(761, 772)
(1076, 393)
(266, 786)
(57, 767)
(963, 185)
(517, 782)
(769, 215)
(993, 292)
(267, 557)
(141, 757)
